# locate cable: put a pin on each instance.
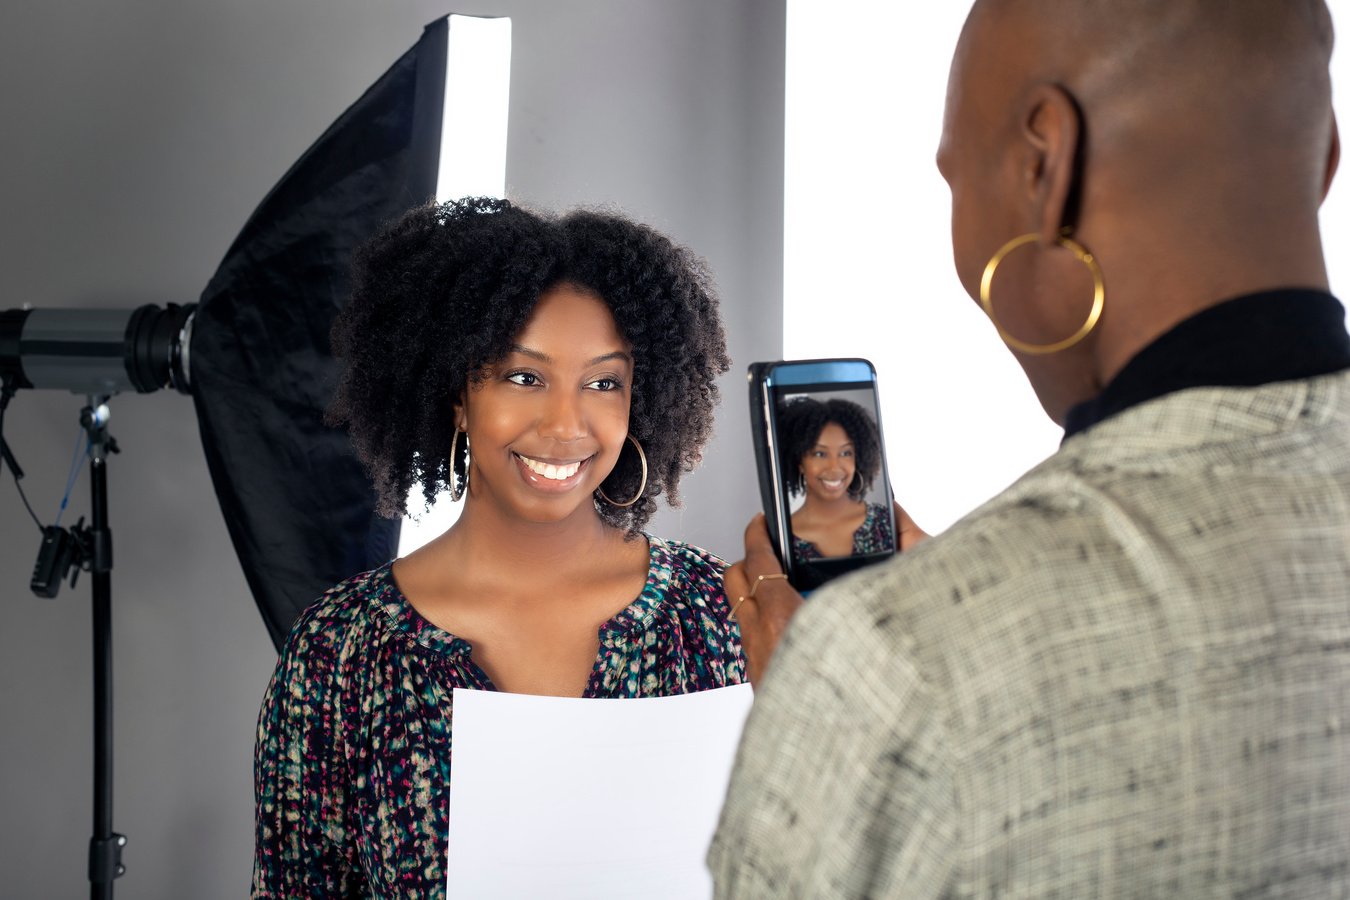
(6, 393)
(74, 472)
(29, 506)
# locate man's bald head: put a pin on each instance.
(1170, 37)
(1187, 143)
(1249, 70)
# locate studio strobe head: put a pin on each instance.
(98, 351)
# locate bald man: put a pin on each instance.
(1129, 674)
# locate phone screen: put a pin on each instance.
(827, 491)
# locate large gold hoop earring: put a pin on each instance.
(862, 483)
(1098, 294)
(642, 487)
(463, 483)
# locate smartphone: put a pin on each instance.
(821, 457)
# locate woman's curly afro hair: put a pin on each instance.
(441, 293)
(802, 419)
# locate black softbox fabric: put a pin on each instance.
(299, 507)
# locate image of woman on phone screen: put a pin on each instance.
(558, 375)
(837, 448)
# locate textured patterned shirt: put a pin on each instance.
(352, 768)
(1128, 675)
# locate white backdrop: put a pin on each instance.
(867, 261)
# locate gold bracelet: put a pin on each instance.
(750, 596)
(754, 587)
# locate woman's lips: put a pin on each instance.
(552, 472)
(551, 475)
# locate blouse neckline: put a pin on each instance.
(636, 616)
(869, 520)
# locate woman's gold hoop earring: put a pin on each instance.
(1098, 294)
(642, 487)
(463, 483)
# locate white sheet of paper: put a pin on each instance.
(581, 798)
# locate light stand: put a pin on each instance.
(105, 847)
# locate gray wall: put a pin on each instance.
(137, 138)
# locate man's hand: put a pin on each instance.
(910, 534)
(765, 616)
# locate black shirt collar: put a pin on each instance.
(1256, 339)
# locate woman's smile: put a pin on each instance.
(552, 475)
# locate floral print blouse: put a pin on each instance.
(872, 536)
(352, 766)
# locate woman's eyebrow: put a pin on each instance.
(533, 354)
(617, 354)
(545, 358)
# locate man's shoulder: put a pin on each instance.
(1010, 535)
(974, 580)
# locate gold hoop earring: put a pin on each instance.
(642, 487)
(456, 495)
(1098, 294)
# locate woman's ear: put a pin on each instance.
(1052, 131)
(460, 412)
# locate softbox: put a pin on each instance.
(299, 507)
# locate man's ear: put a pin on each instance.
(1052, 131)
(1333, 157)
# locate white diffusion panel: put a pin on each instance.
(472, 164)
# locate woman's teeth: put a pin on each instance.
(549, 471)
(832, 483)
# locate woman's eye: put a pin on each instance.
(524, 379)
(847, 453)
(604, 384)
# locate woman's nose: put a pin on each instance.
(562, 418)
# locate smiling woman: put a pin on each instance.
(557, 374)
(837, 447)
